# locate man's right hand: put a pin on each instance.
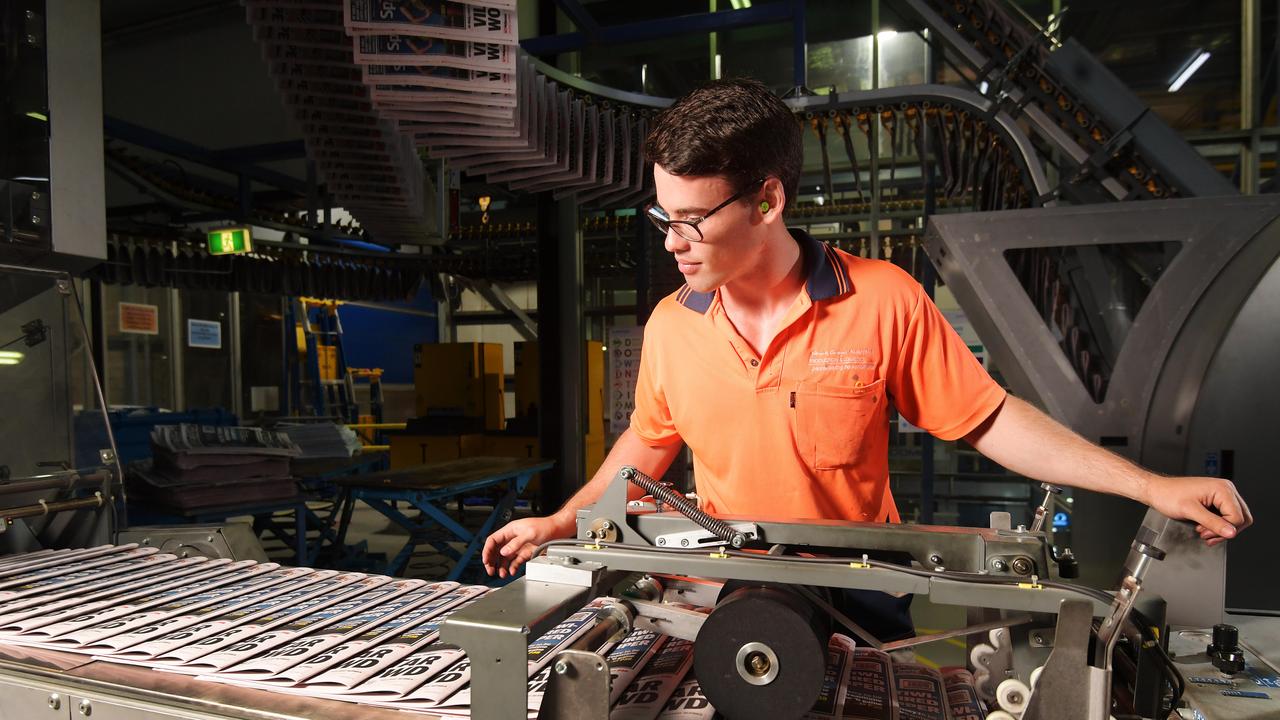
(511, 545)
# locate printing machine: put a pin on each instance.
(1007, 577)
(1039, 643)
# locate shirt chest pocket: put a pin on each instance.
(832, 421)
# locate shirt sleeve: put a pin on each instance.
(651, 419)
(936, 382)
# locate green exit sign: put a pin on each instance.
(230, 241)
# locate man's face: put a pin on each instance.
(730, 242)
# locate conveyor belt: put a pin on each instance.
(140, 631)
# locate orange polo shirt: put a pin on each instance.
(801, 431)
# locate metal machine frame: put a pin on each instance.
(1227, 245)
(1007, 570)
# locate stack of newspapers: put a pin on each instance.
(201, 466)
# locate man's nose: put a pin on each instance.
(674, 242)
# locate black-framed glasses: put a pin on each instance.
(688, 229)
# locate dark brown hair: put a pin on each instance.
(735, 129)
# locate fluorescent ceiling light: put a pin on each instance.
(38, 116)
(9, 361)
(1190, 69)
(32, 178)
(11, 354)
(740, 4)
(886, 34)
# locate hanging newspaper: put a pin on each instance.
(528, 119)
(584, 152)
(290, 13)
(479, 81)
(434, 52)
(486, 22)
(401, 96)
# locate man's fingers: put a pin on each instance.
(1210, 521)
(1233, 509)
(510, 548)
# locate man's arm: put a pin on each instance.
(513, 544)
(1030, 443)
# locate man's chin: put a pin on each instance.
(701, 285)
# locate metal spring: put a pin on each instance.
(666, 495)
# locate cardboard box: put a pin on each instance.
(526, 378)
(410, 450)
(527, 385)
(460, 379)
(595, 388)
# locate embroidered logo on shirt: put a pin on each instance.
(835, 360)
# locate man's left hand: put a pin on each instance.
(1213, 504)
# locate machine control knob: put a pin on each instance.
(86, 708)
(1224, 652)
(55, 701)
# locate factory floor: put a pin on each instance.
(384, 538)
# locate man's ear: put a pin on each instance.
(773, 199)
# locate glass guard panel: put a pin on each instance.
(57, 461)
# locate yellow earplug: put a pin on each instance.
(764, 206)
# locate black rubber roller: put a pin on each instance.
(761, 653)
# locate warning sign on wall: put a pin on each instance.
(624, 366)
(139, 318)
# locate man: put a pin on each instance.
(777, 361)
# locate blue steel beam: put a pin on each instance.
(147, 138)
(581, 18)
(700, 23)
